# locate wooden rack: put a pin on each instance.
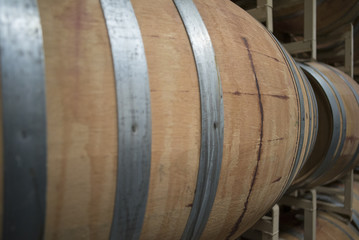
(267, 228)
(263, 13)
(343, 208)
(344, 35)
(309, 43)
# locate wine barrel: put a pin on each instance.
(337, 145)
(145, 119)
(328, 227)
(331, 14)
(339, 198)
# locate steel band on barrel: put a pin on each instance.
(352, 161)
(341, 112)
(336, 121)
(315, 105)
(134, 118)
(24, 120)
(305, 84)
(312, 107)
(212, 121)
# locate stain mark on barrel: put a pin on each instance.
(277, 180)
(276, 139)
(179, 91)
(266, 55)
(189, 205)
(285, 97)
(255, 172)
(279, 96)
(352, 138)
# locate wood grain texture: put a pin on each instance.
(261, 114)
(81, 115)
(176, 121)
(351, 142)
(247, 55)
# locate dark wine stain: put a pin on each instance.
(266, 55)
(178, 91)
(276, 139)
(279, 96)
(189, 205)
(255, 172)
(352, 138)
(275, 59)
(158, 36)
(285, 97)
(277, 180)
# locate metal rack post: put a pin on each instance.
(309, 44)
(346, 36)
(267, 228)
(310, 211)
(349, 49)
(345, 208)
(263, 13)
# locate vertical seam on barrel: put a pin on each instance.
(212, 119)
(255, 172)
(134, 118)
(24, 120)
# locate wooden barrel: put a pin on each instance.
(328, 227)
(331, 14)
(337, 145)
(124, 133)
(338, 199)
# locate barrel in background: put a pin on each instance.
(336, 149)
(267, 125)
(331, 14)
(327, 225)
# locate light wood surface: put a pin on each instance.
(81, 118)
(258, 156)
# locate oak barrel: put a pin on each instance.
(337, 146)
(330, 15)
(327, 226)
(95, 146)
